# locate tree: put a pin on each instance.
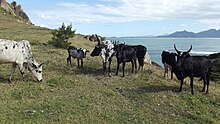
(61, 36)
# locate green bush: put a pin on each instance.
(61, 36)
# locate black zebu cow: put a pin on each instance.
(169, 61)
(79, 54)
(125, 53)
(192, 66)
(140, 54)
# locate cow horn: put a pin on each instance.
(40, 65)
(97, 38)
(176, 49)
(34, 66)
(189, 49)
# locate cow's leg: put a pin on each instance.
(164, 75)
(191, 84)
(208, 80)
(132, 63)
(142, 64)
(204, 83)
(139, 62)
(109, 67)
(104, 66)
(78, 62)
(117, 68)
(69, 60)
(123, 68)
(21, 68)
(171, 74)
(12, 71)
(135, 64)
(181, 85)
(82, 63)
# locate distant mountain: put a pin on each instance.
(212, 33)
(209, 33)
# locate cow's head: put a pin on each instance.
(98, 48)
(36, 70)
(84, 51)
(181, 53)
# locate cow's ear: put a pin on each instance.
(33, 65)
(40, 65)
(87, 51)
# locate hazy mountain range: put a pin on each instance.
(212, 33)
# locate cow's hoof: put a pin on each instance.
(202, 91)
(205, 93)
(179, 91)
(9, 80)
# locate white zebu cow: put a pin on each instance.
(19, 53)
(105, 49)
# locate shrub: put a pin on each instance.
(61, 36)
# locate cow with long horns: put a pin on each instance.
(192, 66)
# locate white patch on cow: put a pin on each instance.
(147, 58)
(107, 50)
(19, 53)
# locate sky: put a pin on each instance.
(125, 17)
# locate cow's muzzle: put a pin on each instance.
(40, 80)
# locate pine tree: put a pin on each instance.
(61, 36)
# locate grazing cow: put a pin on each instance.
(169, 61)
(79, 54)
(192, 66)
(19, 53)
(125, 53)
(106, 51)
(140, 54)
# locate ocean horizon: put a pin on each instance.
(155, 45)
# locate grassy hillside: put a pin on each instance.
(75, 95)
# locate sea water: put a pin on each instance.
(155, 46)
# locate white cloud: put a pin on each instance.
(205, 11)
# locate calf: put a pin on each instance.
(125, 53)
(19, 53)
(105, 49)
(79, 54)
(168, 60)
(192, 66)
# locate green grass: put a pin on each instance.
(75, 95)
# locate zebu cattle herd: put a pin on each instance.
(181, 63)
